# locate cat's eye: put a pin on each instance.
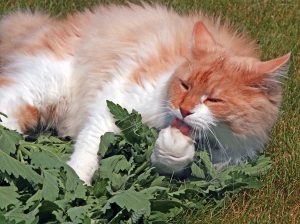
(184, 84)
(214, 100)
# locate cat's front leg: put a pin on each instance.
(84, 159)
(173, 151)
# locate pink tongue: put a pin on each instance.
(184, 128)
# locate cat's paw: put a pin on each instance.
(173, 151)
(84, 171)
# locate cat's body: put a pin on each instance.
(59, 73)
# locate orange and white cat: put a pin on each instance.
(60, 72)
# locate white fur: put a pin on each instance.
(173, 151)
(38, 81)
(143, 99)
(110, 46)
(42, 80)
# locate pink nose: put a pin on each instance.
(184, 112)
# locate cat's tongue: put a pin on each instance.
(183, 127)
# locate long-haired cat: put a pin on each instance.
(60, 72)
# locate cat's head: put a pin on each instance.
(215, 87)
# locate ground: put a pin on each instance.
(275, 24)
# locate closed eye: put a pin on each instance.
(214, 100)
(184, 84)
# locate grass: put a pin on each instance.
(275, 25)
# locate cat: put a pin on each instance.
(60, 72)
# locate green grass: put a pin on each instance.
(275, 25)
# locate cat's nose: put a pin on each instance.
(184, 112)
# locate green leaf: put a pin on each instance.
(49, 160)
(46, 160)
(46, 209)
(77, 214)
(116, 110)
(8, 196)
(130, 124)
(4, 220)
(113, 164)
(209, 167)
(197, 171)
(126, 188)
(8, 140)
(106, 139)
(13, 167)
(130, 200)
(17, 214)
(36, 197)
(50, 188)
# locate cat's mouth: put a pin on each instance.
(182, 126)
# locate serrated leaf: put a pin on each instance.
(138, 215)
(49, 160)
(77, 214)
(47, 208)
(128, 189)
(50, 188)
(129, 124)
(13, 167)
(8, 196)
(106, 139)
(197, 171)
(4, 220)
(17, 214)
(37, 197)
(209, 167)
(8, 140)
(46, 160)
(116, 110)
(113, 164)
(130, 200)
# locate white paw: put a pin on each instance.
(84, 168)
(173, 151)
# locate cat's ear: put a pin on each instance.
(268, 73)
(277, 66)
(203, 39)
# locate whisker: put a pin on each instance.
(220, 144)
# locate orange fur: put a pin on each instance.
(69, 67)
(248, 93)
(28, 117)
(34, 33)
(4, 81)
(151, 68)
(216, 54)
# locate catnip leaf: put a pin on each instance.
(113, 164)
(106, 139)
(46, 209)
(13, 167)
(77, 214)
(126, 189)
(46, 160)
(36, 197)
(8, 196)
(50, 186)
(204, 157)
(197, 171)
(130, 200)
(116, 110)
(8, 140)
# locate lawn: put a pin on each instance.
(275, 25)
